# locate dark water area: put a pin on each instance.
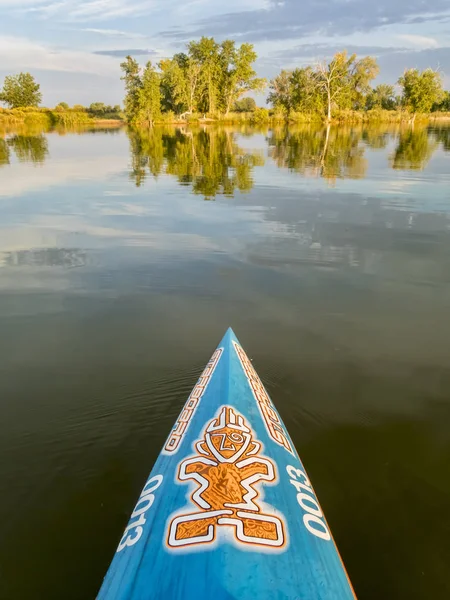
(125, 255)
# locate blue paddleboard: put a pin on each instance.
(228, 512)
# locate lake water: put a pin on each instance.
(124, 256)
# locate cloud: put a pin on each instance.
(392, 60)
(419, 41)
(127, 52)
(114, 33)
(320, 51)
(81, 10)
(295, 18)
(393, 65)
(21, 53)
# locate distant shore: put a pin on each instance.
(261, 116)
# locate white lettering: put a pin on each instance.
(145, 501)
(323, 533)
(307, 500)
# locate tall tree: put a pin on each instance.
(421, 90)
(21, 90)
(237, 73)
(149, 97)
(362, 73)
(180, 83)
(205, 54)
(334, 81)
(280, 94)
(133, 85)
(345, 80)
(304, 90)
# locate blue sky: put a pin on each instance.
(74, 47)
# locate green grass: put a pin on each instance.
(47, 117)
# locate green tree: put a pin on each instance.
(205, 55)
(21, 90)
(362, 73)
(133, 85)
(444, 104)
(421, 90)
(383, 96)
(62, 106)
(345, 81)
(180, 83)
(280, 91)
(98, 108)
(305, 92)
(237, 73)
(245, 105)
(149, 98)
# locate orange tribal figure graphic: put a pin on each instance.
(227, 471)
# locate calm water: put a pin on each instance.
(123, 258)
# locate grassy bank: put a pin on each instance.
(46, 117)
(268, 116)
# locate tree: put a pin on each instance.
(421, 90)
(205, 55)
(98, 108)
(444, 105)
(383, 96)
(304, 90)
(245, 105)
(280, 94)
(179, 83)
(149, 97)
(21, 90)
(62, 106)
(345, 80)
(237, 73)
(133, 85)
(362, 72)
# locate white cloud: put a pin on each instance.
(20, 54)
(81, 10)
(418, 41)
(115, 33)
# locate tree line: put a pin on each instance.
(214, 79)
(210, 77)
(344, 83)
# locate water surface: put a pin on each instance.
(124, 256)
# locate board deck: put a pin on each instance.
(228, 512)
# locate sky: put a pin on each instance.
(74, 47)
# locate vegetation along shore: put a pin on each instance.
(211, 82)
